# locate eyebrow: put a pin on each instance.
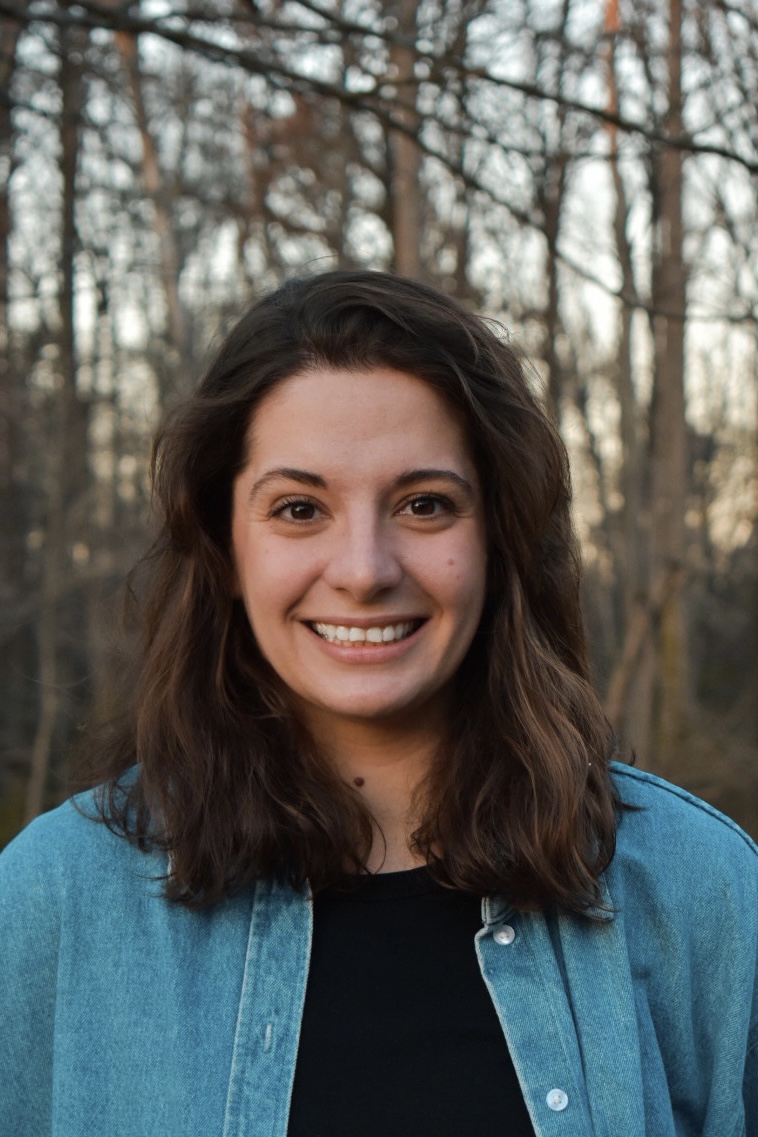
(411, 477)
(407, 478)
(289, 473)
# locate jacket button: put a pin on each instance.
(557, 1100)
(504, 935)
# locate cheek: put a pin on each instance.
(272, 576)
(466, 571)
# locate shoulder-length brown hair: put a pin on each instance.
(520, 803)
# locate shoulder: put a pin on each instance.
(74, 825)
(68, 852)
(657, 803)
(39, 853)
(673, 845)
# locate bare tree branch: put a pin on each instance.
(91, 15)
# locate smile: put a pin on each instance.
(348, 635)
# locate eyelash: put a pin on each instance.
(289, 502)
(447, 506)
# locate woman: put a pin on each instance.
(366, 866)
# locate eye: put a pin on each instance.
(296, 509)
(427, 505)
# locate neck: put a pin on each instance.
(384, 763)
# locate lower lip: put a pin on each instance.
(378, 653)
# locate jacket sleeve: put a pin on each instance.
(751, 1071)
(29, 941)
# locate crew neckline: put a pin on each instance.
(390, 886)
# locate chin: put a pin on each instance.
(382, 712)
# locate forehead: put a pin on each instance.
(336, 414)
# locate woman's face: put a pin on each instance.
(359, 545)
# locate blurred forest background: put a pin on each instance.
(585, 171)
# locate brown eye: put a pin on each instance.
(297, 511)
(302, 511)
(427, 505)
(424, 506)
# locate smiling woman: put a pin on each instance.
(363, 595)
(364, 453)
(364, 863)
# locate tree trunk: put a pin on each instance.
(648, 691)
(404, 159)
(668, 430)
(630, 691)
(551, 195)
(67, 467)
(153, 182)
(10, 402)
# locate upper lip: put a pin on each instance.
(363, 621)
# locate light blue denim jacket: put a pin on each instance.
(124, 1016)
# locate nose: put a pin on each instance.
(363, 561)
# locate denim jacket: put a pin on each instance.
(123, 1015)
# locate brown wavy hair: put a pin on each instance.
(520, 801)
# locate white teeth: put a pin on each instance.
(344, 634)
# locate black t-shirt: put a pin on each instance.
(399, 1035)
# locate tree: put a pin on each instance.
(602, 202)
